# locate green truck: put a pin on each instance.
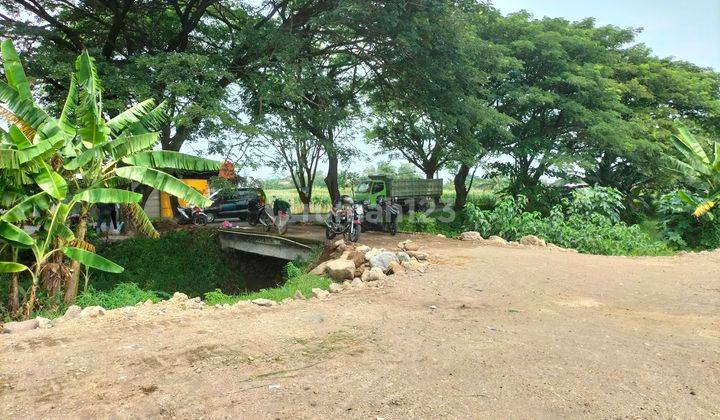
(409, 193)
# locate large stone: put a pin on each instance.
(363, 248)
(340, 245)
(179, 297)
(471, 236)
(414, 265)
(403, 256)
(340, 269)
(532, 240)
(375, 274)
(72, 312)
(357, 283)
(372, 253)
(20, 326)
(335, 288)
(264, 302)
(396, 268)
(92, 312)
(319, 270)
(418, 255)
(498, 240)
(357, 257)
(383, 261)
(412, 246)
(320, 293)
(44, 323)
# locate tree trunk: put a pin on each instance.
(331, 180)
(71, 281)
(461, 190)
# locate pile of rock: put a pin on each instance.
(365, 264)
(529, 241)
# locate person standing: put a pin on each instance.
(106, 214)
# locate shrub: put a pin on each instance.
(573, 224)
(124, 294)
(418, 222)
(187, 261)
(682, 230)
(603, 201)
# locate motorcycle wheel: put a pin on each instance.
(354, 236)
(200, 220)
(329, 234)
(210, 217)
(252, 220)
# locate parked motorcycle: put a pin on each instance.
(277, 216)
(194, 215)
(345, 219)
(382, 217)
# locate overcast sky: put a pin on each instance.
(685, 29)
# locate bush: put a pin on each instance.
(124, 294)
(578, 223)
(187, 261)
(418, 222)
(682, 230)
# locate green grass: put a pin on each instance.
(124, 294)
(305, 283)
(190, 262)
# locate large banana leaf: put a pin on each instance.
(153, 121)
(14, 70)
(688, 145)
(130, 116)
(92, 129)
(17, 137)
(24, 209)
(172, 160)
(40, 149)
(163, 182)
(85, 157)
(12, 267)
(51, 182)
(68, 116)
(24, 109)
(58, 220)
(108, 195)
(125, 146)
(92, 260)
(15, 235)
(9, 159)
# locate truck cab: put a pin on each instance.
(369, 190)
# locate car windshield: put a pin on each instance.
(364, 187)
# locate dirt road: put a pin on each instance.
(486, 333)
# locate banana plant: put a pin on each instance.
(53, 166)
(699, 166)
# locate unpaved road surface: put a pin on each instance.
(486, 332)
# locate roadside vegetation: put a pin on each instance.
(571, 131)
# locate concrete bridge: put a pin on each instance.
(282, 247)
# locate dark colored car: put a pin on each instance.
(234, 204)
